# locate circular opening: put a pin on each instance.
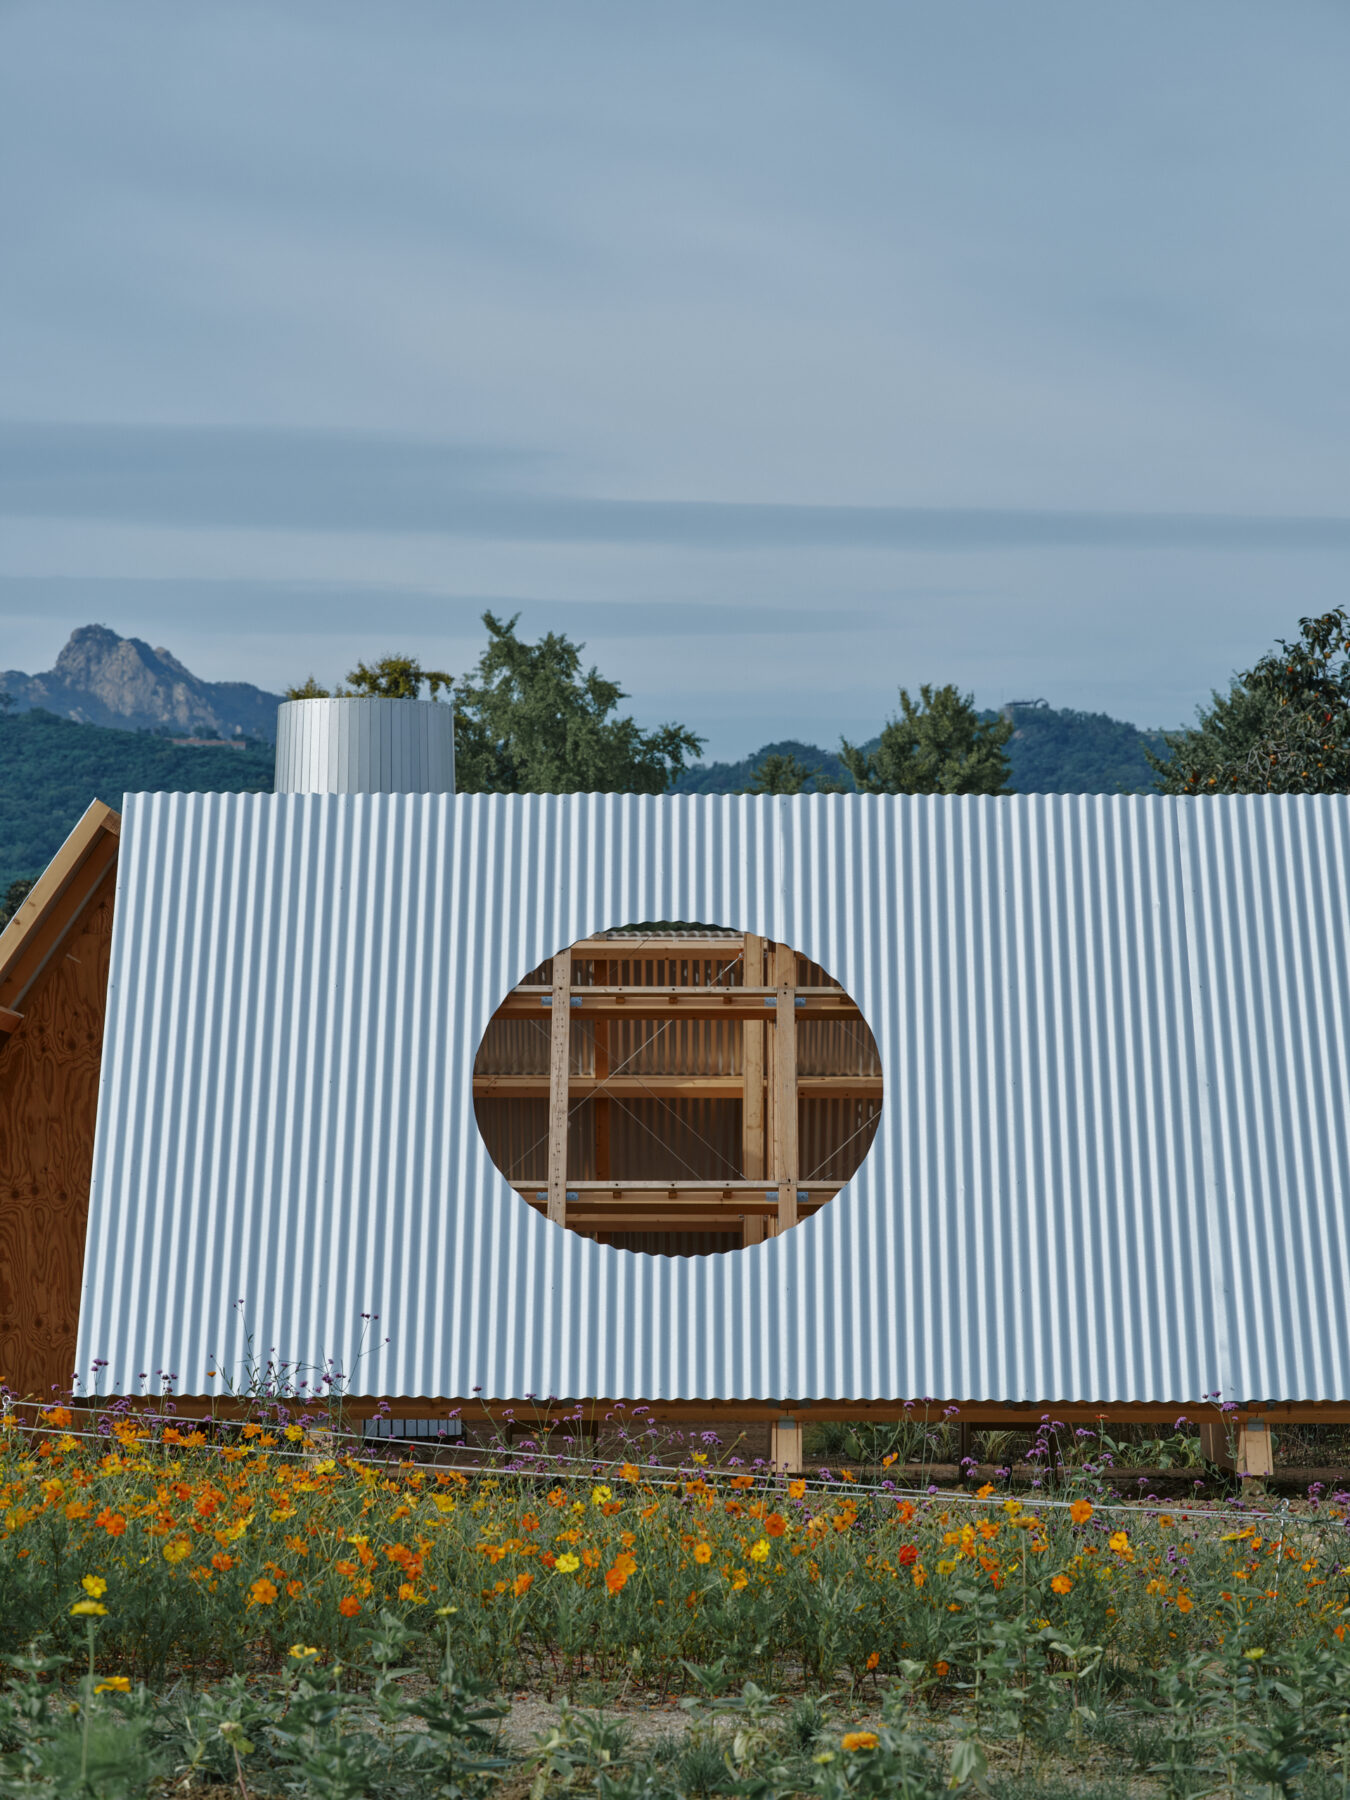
(678, 1089)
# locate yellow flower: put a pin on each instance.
(300, 1651)
(860, 1740)
(1119, 1541)
(88, 1609)
(114, 1684)
(599, 1495)
(567, 1564)
(175, 1550)
(796, 1490)
(95, 1586)
(702, 1553)
(1081, 1511)
(294, 1433)
(1012, 1508)
(759, 1551)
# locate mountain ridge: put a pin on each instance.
(101, 678)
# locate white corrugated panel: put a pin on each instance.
(1111, 1164)
(360, 745)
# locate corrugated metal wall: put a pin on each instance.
(1111, 1162)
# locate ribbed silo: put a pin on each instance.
(365, 746)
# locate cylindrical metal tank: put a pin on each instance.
(365, 746)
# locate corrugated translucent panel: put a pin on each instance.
(1111, 1162)
(365, 746)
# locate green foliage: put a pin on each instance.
(14, 896)
(779, 775)
(393, 677)
(1283, 727)
(825, 773)
(939, 745)
(529, 720)
(1056, 750)
(50, 769)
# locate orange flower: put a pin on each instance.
(1061, 1584)
(703, 1553)
(1081, 1511)
(873, 1659)
(860, 1740)
(629, 1472)
(112, 1522)
(222, 1562)
(796, 1490)
(295, 1589)
(941, 1669)
(557, 1497)
(262, 1593)
(521, 1585)
(345, 1569)
(349, 1606)
(79, 1509)
(775, 1524)
(529, 1523)
(615, 1578)
(406, 1590)
(905, 1510)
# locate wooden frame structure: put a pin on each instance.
(740, 1003)
(53, 992)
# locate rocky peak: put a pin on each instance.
(101, 678)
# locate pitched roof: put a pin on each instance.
(55, 906)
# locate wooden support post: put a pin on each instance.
(559, 1068)
(785, 1446)
(600, 1105)
(752, 1228)
(752, 1070)
(1255, 1454)
(752, 1085)
(1214, 1445)
(785, 1157)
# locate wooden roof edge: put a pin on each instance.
(57, 899)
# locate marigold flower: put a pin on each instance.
(630, 1472)
(1081, 1511)
(860, 1740)
(522, 1585)
(908, 1553)
(759, 1550)
(775, 1524)
(1119, 1541)
(89, 1609)
(796, 1490)
(222, 1562)
(873, 1660)
(175, 1550)
(349, 1606)
(114, 1684)
(567, 1564)
(263, 1592)
(112, 1522)
(703, 1553)
(1060, 1584)
(94, 1585)
(300, 1651)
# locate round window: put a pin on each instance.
(678, 1089)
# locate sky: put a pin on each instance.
(784, 354)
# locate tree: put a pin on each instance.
(1283, 727)
(939, 746)
(529, 720)
(391, 678)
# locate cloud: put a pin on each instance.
(347, 481)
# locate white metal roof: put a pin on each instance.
(1112, 1164)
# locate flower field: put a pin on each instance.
(1198, 1647)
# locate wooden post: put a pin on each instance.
(559, 1068)
(1214, 1445)
(1255, 1455)
(752, 1086)
(600, 1105)
(785, 1445)
(785, 1087)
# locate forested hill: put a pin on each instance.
(50, 769)
(1053, 751)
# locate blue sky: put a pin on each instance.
(785, 354)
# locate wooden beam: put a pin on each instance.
(54, 906)
(785, 1445)
(559, 1067)
(10, 1021)
(650, 1197)
(752, 1074)
(658, 948)
(785, 1157)
(758, 1003)
(703, 1087)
